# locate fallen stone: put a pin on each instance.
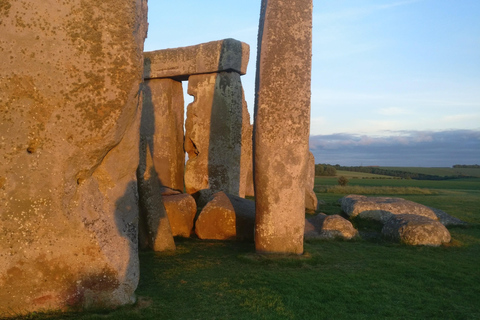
(324, 226)
(162, 127)
(213, 133)
(446, 219)
(226, 217)
(282, 124)
(311, 201)
(166, 191)
(416, 230)
(69, 132)
(212, 57)
(382, 208)
(181, 210)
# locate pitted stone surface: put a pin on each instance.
(213, 133)
(247, 147)
(69, 82)
(282, 124)
(181, 210)
(311, 201)
(416, 230)
(324, 226)
(226, 217)
(382, 208)
(212, 57)
(162, 127)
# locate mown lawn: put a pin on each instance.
(366, 278)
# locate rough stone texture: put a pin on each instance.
(382, 208)
(162, 127)
(282, 124)
(154, 229)
(311, 201)
(322, 226)
(181, 210)
(69, 81)
(179, 63)
(416, 230)
(213, 133)
(226, 217)
(446, 219)
(247, 146)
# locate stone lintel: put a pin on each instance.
(180, 63)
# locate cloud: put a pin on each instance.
(399, 148)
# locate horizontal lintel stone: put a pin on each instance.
(209, 57)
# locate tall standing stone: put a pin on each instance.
(281, 127)
(162, 127)
(213, 133)
(311, 201)
(69, 133)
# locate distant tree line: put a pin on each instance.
(322, 169)
(398, 173)
(470, 166)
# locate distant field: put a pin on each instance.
(443, 172)
(361, 175)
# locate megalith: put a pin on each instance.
(281, 124)
(162, 127)
(311, 201)
(213, 133)
(69, 133)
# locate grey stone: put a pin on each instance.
(213, 133)
(282, 124)
(162, 127)
(382, 208)
(212, 57)
(416, 230)
(69, 82)
(324, 226)
(311, 201)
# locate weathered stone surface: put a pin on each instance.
(446, 219)
(311, 201)
(226, 217)
(213, 133)
(154, 229)
(282, 124)
(323, 226)
(247, 147)
(181, 210)
(211, 57)
(162, 127)
(382, 208)
(69, 81)
(416, 230)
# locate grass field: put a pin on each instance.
(442, 172)
(367, 278)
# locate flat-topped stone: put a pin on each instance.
(209, 57)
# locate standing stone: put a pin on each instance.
(281, 126)
(213, 133)
(247, 154)
(311, 201)
(69, 132)
(162, 126)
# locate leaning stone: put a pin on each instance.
(181, 210)
(324, 226)
(69, 82)
(212, 57)
(162, 127)
(311, 201)
(155, 231)
(226, 217)
(416, 230)
(213, 133)
(382, 208)
(282, 124)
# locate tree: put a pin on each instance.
(343, 181)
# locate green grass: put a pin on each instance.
(367, 278)
(442, 172)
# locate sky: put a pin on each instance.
(394, 82)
